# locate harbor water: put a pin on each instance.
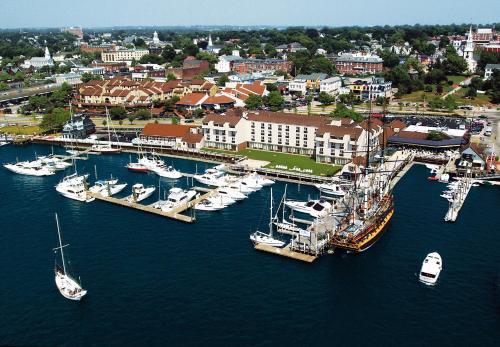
(153, 281)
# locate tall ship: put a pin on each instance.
(369, 205)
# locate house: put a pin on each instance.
(226, 62)
(370, 88)
(488, 70)
(73, 79)
(78, 127)
(191, 101)
(302, 83)
(290, 47)
(218, 102)
(123, 55)
(172, 136)
(472, 154)
(330, 85)
(241, 91)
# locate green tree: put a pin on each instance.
(253, 102)
(325, 98)
(86, 77)
(142, 114)
(390, 58)
(169, 105)
(275, 101)
(131, 118)
(198, 113)
(471, 92)
(4, 86)
(222, 80)
(171, 77)
(168, 53)
(117, 113)
(55, 120)
(151, 59)
(342, 111)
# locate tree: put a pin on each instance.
(171, 77)
(38, 103)
(342, 111)
(434, 135)
(169, 105)
(439, 89)
(222, 80)
(4, 86)
(450, 103)
(275, 101)
(211, 58)
(168, 53)
(142, 114)
(253, 102)
(191, 50)
(61, 97)
(151, 59)
(138, 42)
(198, 113)
(117, 113)
(390, 59)
(453, 64)
(131, 118)
(87, 76)
(55, 120)
(471, 92)
(325, 98)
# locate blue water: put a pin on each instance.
(154, 281)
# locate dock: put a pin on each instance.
(174, 214)
(286, 252)
(458, 200)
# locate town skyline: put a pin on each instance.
(333, 14)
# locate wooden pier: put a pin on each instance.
(286, 252)
(174, 214)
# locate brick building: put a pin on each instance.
(355, 64)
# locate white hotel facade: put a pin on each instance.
(335, 141)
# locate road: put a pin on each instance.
(7, 96)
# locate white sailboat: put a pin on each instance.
(106, 148)
(33, 168)
(69, 287)
(260, 237)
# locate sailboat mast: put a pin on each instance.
(271, 215)
(60, 244)
(108, 120)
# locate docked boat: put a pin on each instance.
(68, 286)
(314, 208)
(106, 148)
(74, 187)
(239, 187)
(259, 180)
(334, 189)
(159, 167)
(232, 193)
(34, 168)
(137, 167)
(210, 204)
(176, 198)
(288, 227)
(211, 180)
(223, 197)
(54, 162)
(431, 268)
(3, 143)
(250, 183)
(108, 187)
(139, 192)
(259, 237)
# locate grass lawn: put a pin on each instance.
(20, 130)
(290, 160)
(480, 99)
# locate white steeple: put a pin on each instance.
(47, 53)
(156, 40)
(210, 43)
(469, 52)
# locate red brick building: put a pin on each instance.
(354, 64)
(258, 65)
(192, 67)
(85, 47)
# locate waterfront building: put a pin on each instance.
(330, 85)
(357, 63)
(78, 127)
(303, 83)
(172, 136)
(367, 89)
(72, 78)
(227, 131)
(39, 62)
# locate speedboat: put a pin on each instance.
(74, 187)
(107, 187)
(331, 189)
(444, 178)
(210, 204)
(136, 167)
(250, 183)
(260, 180)
(158, 166)
(211, 180)
(232, 193)
(314, 208)
(139, 192)
(224, 198)
(54, 162)
(215, 172)
(176, 198)
(431, 268)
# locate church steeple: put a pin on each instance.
(47, 53)
(210, 43)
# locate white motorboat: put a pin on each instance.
(259, 237)
(176, 198)
(105, 149)
(239, 187)
(139, 192)
(3, 143)
(334, 189)
(444, 178)
(215, 172)
(54, 162)
(232, 193)
(74, 187)
(69, 287)
(431, 268)
(259, 180)
(210, 204)
(136, 167)
(158, 166)
(288, 227)
(108, 187)
(34, 168)
(211, 180)
(250, 183)
(223, 197)
(314, 208)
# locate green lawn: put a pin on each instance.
(20, 130)
(290, 160)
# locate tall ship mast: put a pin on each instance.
(369, 204)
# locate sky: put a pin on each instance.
(108, 13)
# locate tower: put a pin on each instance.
(47, 53)
(210, 43)
(156, 40)
(469, 52)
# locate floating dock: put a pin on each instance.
(458, 200)
(174, 214)
(286, 252)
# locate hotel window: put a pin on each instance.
(279, 127)
(287, 127)
(262, 125)
(269, 139)
(269, 126)
(279, 133)
(262, 132)
(253, 125)
(253, 137)
(262, 139)
(305, 143)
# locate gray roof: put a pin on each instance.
(357, 59)
(492, 66)
(312, 77)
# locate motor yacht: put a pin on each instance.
(211, 180)
(431, 268)
(74, 187)
(139, 192)
(176, 198)
(259, 180)
(232, 193)
(137, 167)
(334, 189)
(314, 208)
(108, 187)
(210, 204)
(34, 168)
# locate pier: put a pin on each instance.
(174, 214)
(286, 252)
(459, 197)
